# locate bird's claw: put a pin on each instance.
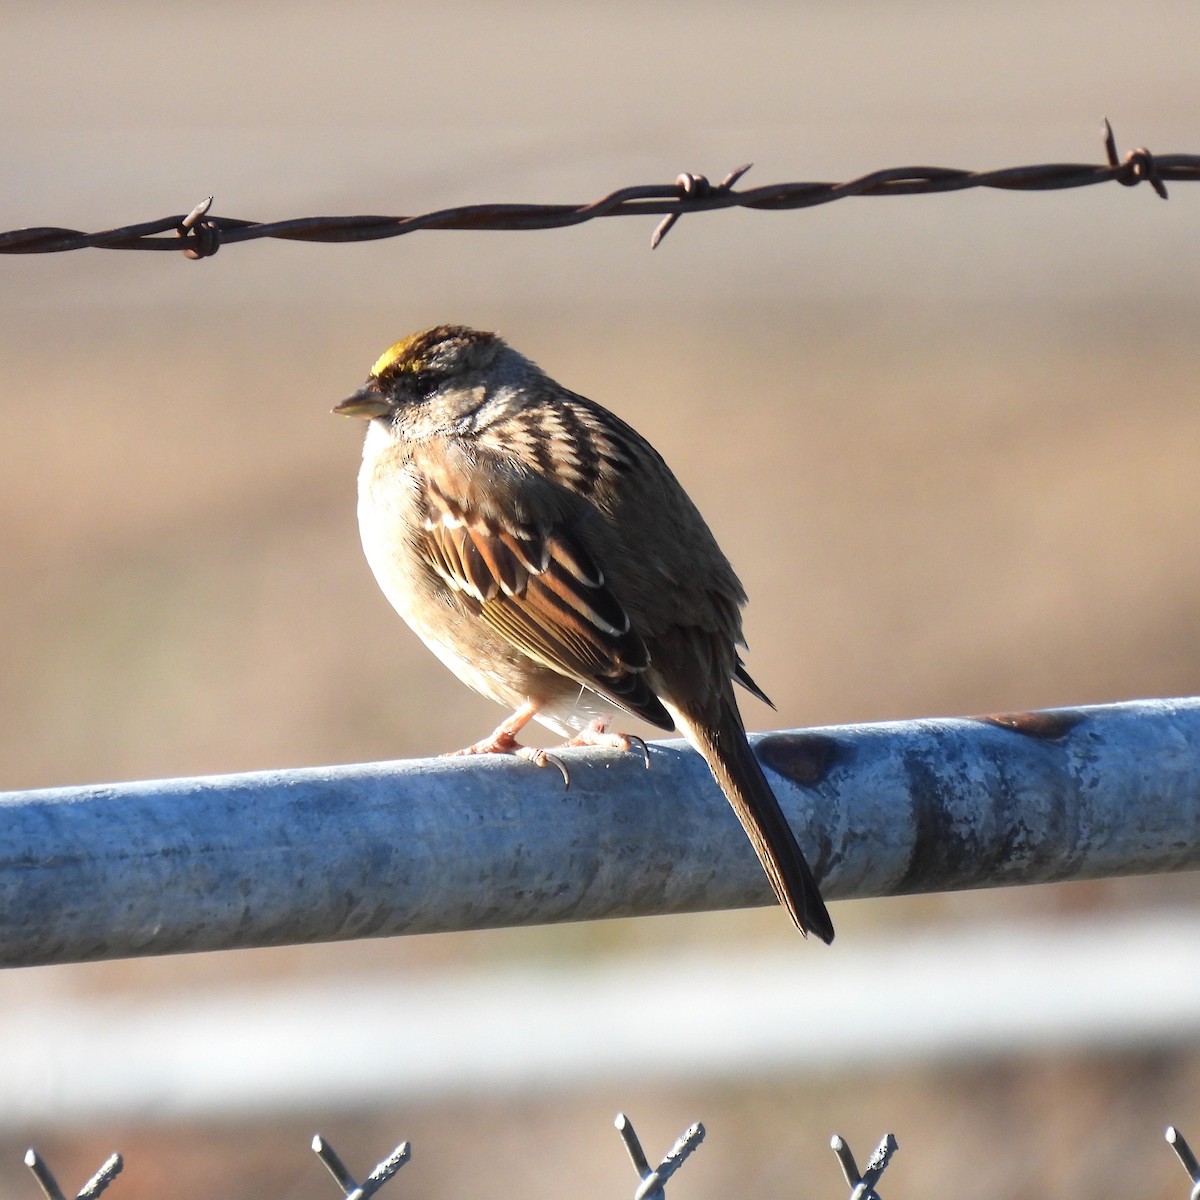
(503, 742)
(596, 734)
(542, 758)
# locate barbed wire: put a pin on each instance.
(199, 235)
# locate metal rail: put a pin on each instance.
(310, 855)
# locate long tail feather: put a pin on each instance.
(724, 747)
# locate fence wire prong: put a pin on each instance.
(378, 1176)
(845, 1157)
(633, 1145)
(384, 1170)
(102, 1178)
(1183, 1152)
(43, 1174)
(862, 1187)
(90, 1190)
(334, 1165)
(883, 1155)
(653, 1181)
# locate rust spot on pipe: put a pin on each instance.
(1048, 725)
(804, 758)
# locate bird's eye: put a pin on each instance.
(425, 381)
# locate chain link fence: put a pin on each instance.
(651, 1185)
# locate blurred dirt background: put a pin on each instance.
(950, 444)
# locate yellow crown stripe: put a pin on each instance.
(399, 357)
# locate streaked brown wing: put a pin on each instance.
(541, 590)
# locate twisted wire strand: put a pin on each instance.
(199, 235)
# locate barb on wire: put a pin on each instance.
(691, 186)
(200, 236)
(653, 1181)
(382, 1172)
(1183, 1151)
(1139, 164)
(862, 1187)
(90, 1190)
(207, 237)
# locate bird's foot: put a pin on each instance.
(503, 740)
(597, 734)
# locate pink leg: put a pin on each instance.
(503, 740)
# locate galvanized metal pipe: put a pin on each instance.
(411, 847)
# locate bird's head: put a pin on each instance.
(435, 380)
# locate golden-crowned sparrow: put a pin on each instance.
(545, 553)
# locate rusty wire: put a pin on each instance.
(199, 235)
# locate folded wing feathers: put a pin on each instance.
(547, 596)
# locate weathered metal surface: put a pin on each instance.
(411, 847)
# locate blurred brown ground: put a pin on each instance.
(950, 444)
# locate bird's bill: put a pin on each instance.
(366, 403)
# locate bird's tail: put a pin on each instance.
(729, 756)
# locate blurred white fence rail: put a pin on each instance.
(311, 855)
(403, 1036)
